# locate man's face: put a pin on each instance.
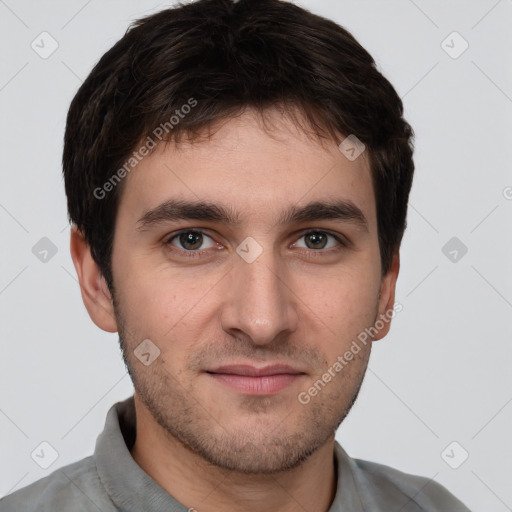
(225, 302)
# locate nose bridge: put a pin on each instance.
(260, 302)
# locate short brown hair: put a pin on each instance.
(228, 56)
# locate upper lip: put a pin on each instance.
(253, 371)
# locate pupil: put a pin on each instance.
(318, 237)
(188, 238)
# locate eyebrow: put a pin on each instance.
(175, 209)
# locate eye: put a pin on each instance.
(190, 240)
(316, 240)
(191, 243)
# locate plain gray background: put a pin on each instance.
(443, 373)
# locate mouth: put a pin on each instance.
(251, 380)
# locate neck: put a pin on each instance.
(199, 485)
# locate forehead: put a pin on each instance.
(256, 172)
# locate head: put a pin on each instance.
(221, 211)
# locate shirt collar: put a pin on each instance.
(132, 489)
(128, 485)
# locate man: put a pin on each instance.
(237, 176)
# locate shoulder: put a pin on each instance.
(412, 492)
(75, 487)
(377, 487)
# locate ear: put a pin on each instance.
(94, 289)
(387, 298)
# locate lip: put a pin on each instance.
(254, 371)
(251, 380)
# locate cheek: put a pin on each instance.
(347, 304)
(168, 307)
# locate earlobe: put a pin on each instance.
(95, 293)
(387, 297)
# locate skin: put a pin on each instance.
(210, 446)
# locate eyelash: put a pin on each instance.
(198, 254)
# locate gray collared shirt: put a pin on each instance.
(110, 480)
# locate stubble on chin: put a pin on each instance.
(264, 441)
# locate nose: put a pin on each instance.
(260, 302)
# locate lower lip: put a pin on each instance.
(262, 385)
